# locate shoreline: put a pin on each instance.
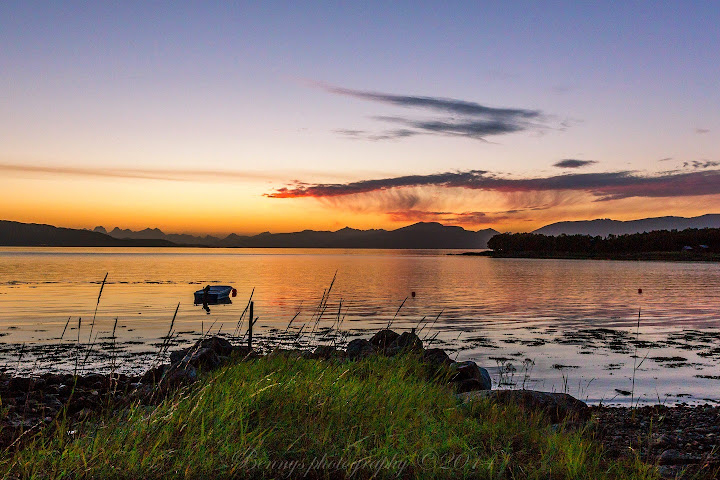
(645, 256)
(673, 437)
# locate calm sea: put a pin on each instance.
(563, 325)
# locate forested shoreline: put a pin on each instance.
(689, 244)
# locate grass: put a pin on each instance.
(283, 417)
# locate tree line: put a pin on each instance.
(699, 240)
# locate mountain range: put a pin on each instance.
(419, 235)
(604, 227)
(18, 234)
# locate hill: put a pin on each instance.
(39, 235)
(419, 235)
(604, 227)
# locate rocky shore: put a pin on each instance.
(678, 439)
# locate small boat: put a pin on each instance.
(214, 295)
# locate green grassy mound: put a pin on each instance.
(280, 417)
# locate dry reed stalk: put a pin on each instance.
(238, 327)
(113, 356)
(77, 348)
(166, 341)
(396, 314)
(64, 329)
(92, 325)
(432, 324)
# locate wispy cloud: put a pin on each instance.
(447, 105)
(573, 163)
(168, 174)
(702, 131)
(459, 117)
(604, 186)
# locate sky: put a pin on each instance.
(244, 117)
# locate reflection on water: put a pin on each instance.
(521, 312)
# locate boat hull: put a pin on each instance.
(216, 295)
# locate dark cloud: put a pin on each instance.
(338, 189)
(702, 130)
(572, 163)
(446, 105)
(605, 185)
(698, 165)
(460, 118)
(477, 129)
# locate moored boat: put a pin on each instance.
(214, 295)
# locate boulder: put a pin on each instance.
(383, 339)
(436, 357)
(153, 376)
(408, 342)
(244, 352)
(177, 376)
(359, 348)
(205, 359)
(324, 352)
(467, 376)
(218, 345)
(557, 406)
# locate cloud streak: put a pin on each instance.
(170, 174)
(604, 186)
(452, 117)
(445, 105)
(573, 163)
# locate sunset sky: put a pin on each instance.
(268, 116)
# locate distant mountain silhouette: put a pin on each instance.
(419, 235)
(604, 227)
(38, 235)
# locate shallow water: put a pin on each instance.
(499, 312)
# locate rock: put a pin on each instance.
(666, 471)
(468, 374)
(153, 376)
(406, 343)
(92, 380)
(436, 357)
(179, 375)
(470, 385)
(324, 352)
(244, 352)
(20, 384)
(670, 457)
(662, 441)
(218, 345)
(359, 348)
(205, 358)
(557, 406)
(383, 339)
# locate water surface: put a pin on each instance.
(529, 321)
